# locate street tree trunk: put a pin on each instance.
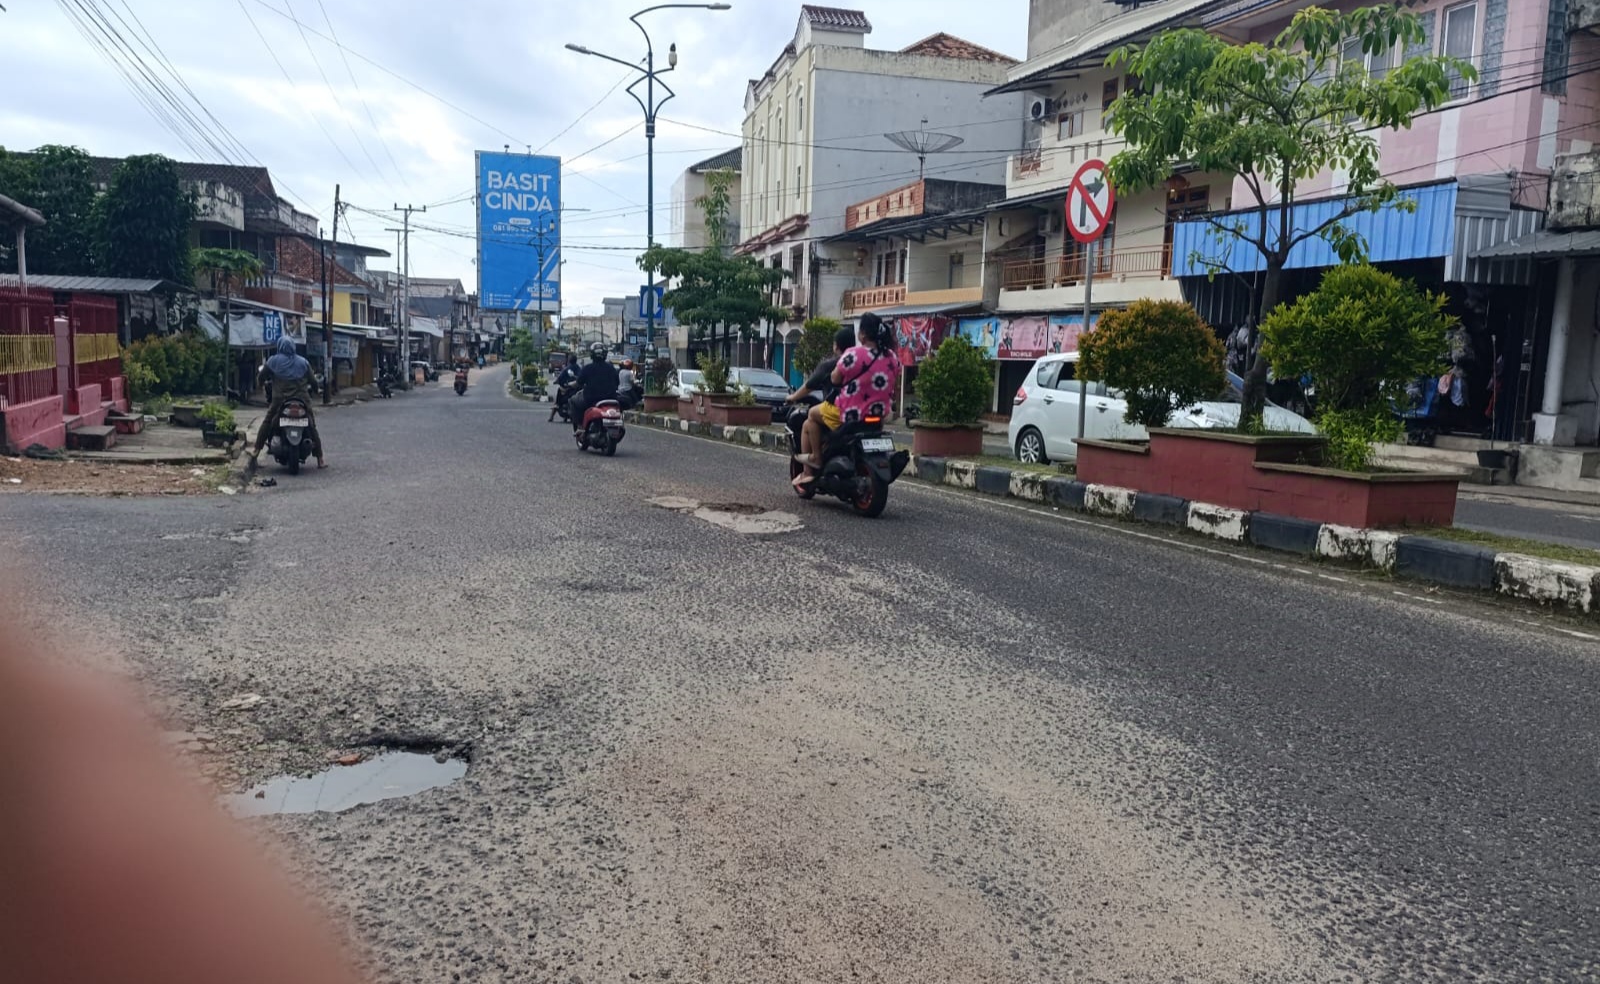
(1255, 379)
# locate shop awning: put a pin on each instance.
(908, 310)
(426, 326)
(1544, 245)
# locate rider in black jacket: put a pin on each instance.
(597, 382)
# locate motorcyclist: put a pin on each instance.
(291, 375)
(626, 383)
(567, 377)
(597, 381)
(824, 416)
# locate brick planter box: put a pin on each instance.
(1272, 474)
(946, 440)
(705, 408)
(660, 404)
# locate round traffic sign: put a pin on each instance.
(1089, 202)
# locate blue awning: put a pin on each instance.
(1391, 234)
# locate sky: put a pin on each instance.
(390, 98)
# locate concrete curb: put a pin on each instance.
(1460, 565)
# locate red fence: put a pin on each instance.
(28, 346)
(96, 357)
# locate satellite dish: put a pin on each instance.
(923, 142)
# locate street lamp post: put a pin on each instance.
(542, 235)
(651, 78)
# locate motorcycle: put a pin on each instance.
(563, 396)
(385, 381)
(602, 428)
(461, 382)
(857, 464)
(291, 441)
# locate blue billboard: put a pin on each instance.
(519, 232)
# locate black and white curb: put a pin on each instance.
(1446, 562)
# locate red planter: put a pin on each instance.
(660, 404)
(946, 440)
(1274, 474)
(701, 407)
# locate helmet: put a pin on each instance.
(627, 363)
(597, 351)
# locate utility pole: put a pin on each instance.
(330, 375)
(405, 285)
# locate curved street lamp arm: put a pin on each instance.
(600, 54)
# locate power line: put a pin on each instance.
(585, 114)
(334, 96)
(394, 165)
(289, 79)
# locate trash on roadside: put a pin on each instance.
(197, 472)
(268, 483)
(243, 702)
(228, 490)
(13, 481)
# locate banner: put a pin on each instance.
(519, 232)
(918, 335)
(1025, 338)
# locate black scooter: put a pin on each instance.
(563, 397)
(857, 463)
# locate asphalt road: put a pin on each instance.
(966, 742)
(1554, 522)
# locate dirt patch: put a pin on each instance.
(99, 478)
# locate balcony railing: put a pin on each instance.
(1030, 162)
(1040, 273)
(867, 298)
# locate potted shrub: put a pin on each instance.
(1362, 335)
(217, 425)
(657, 397)
(955, 384)
(532, 379)
(714, 403)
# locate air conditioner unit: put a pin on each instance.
(1041, 109)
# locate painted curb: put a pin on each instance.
(1574, 587)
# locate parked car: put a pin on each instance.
(770, 389)
(1044, 415)
(682, 382)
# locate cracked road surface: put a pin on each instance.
(961, 743)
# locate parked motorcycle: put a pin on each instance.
(602, 428)
(461, 382)
(385, 382)
(291, 441)
(856, 465)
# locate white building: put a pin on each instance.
(816, 140)
(688, 221)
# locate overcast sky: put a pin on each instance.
(396, 116)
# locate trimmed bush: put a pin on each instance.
(1160, 354)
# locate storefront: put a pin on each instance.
(1015, 342)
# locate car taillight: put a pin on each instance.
(1020, 398)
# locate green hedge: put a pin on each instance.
(177, 364)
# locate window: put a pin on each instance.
(958, 266)
(1069, 125)
(1460, 40)
(800, 114)
(1376, 65)
(797, 182)
(1046, 376)
(1108, 94)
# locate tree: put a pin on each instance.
(955, 383)
(59, 183)
(713, 289)
(816, 342)
(521, 347)
(1160, 354)
(226, 268)
(141, 226)
(1273, 114)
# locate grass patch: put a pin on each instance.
(1512, 544)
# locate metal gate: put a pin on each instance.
(96, 357)
(27, 346)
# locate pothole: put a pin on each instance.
(387, 775)
(739, 517)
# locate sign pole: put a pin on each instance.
(1083, 385)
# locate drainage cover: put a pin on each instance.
(339, 788)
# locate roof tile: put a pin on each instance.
(944, 45)
(837, 18)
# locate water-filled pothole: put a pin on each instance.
(388, 775)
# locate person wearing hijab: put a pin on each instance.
(291, 379)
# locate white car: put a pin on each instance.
(1044, 414)
(681, 383)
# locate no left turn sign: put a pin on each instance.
(1089, 202)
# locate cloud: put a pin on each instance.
(453, 79)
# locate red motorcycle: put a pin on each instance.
(602, 428)
(461, 382)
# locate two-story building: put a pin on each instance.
(1478, 170)
(1034, 271)
(816, 140)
